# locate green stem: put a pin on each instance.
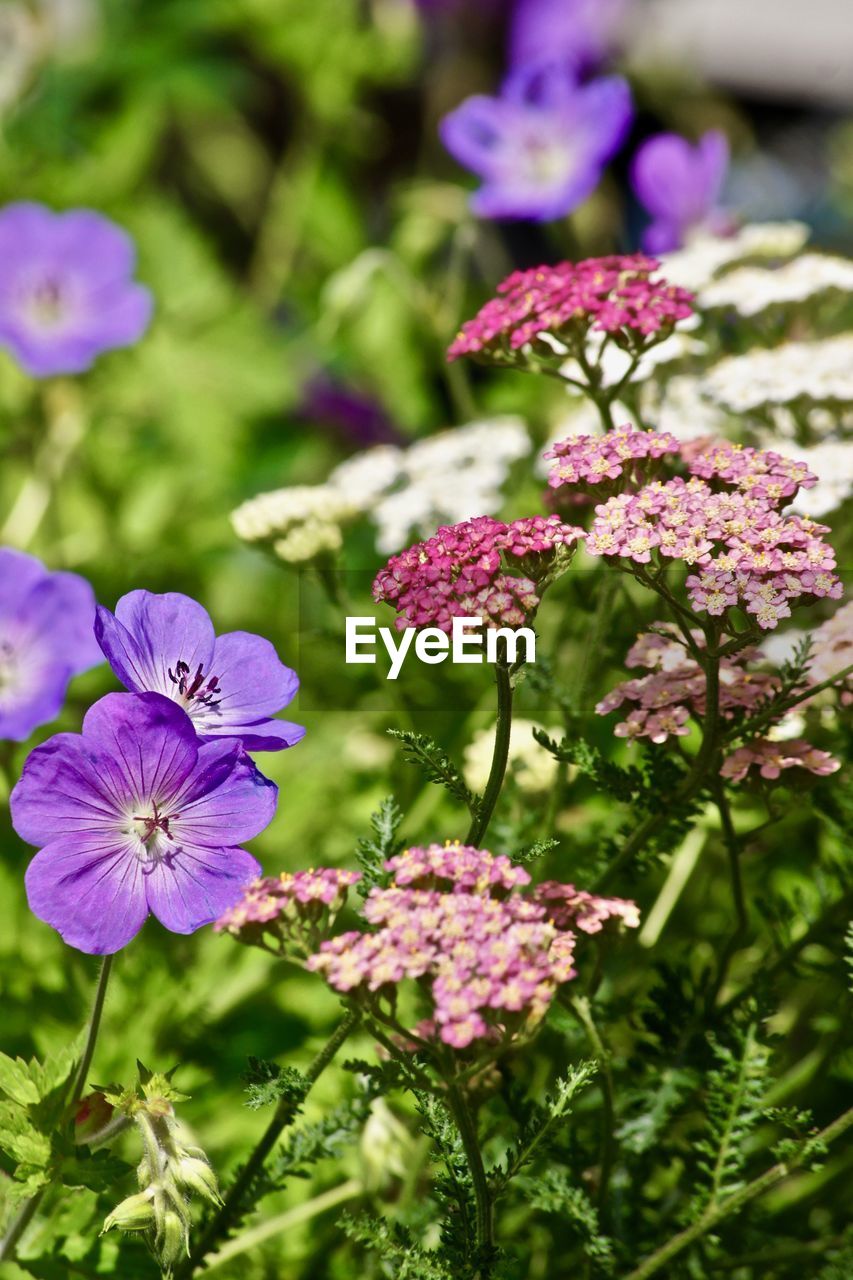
(715, 1213)
(483, 815)
(28, 1209)
(233, 1206)
(692, 784)
(583, 1012)
(468, 1133)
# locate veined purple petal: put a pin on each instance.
(197, 885)
(253, 679)
(267, 735)
(149, 740)
(225, 801)
(167, 629)
(91, 889)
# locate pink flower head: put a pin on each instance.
(620, 295)
(771, 758)
(289, 913)
(487, 956)
(598, 461)
(467, 570)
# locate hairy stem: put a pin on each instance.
(483, 814)
(724, 1208)
(468, 1133)
(234, 1204)
(28, 1209)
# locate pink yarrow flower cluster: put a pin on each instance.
(618, 295)
(673, 694)
(487, 957)
(746, 552)
(468, 570)
(619, 456)
(290, 913)
(771, 758)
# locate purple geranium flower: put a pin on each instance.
(136, 816)
(230, 685)
(680, 184)
(46, 637)
(541, 146)
(576, 32)
(66, 288)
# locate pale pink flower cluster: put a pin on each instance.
(600, 460)
(673, 693)
(289, 913)
(571, 908)
(745, 551)
(620, 295)
(486, 955)
(771, 758)
(462, 572)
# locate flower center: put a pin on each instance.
(47, 303)
(197, 688)
(147, 826)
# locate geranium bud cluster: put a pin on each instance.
(169, 1173)
(486, 955)
(291, 913)
(745, 551)
(469, 570)
(618, 295)
(597, 461)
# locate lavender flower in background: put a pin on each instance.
(66, 288)
(46, 637)
(679, 184)
(135, 817)
(359, 418)
(541, 146)
(229, 685)
(576, 33)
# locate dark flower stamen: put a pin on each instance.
(159, 822)
(195, 689)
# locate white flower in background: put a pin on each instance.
(704, 255)
(818, 371)
(301, 522)
(832, 463)
(33, 33)
(615, 362)
(442, 479)
(366, 476)
(832, 647)
(533, 768)
(683, 411)
(751, 290)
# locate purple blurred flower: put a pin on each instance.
(577, 33)
(229, 685)
(358, 417)
(541, 146)
(680, 184)
(46, 637)
(135, 816)
(66, 288)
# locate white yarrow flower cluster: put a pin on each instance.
(751, 290)
(816, 371)
(533, 768)
(300, 522)
(704, 256)
(445, 478)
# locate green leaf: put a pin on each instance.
(267, 1082)
(435, 763)
(16, 1080)
(373, 851)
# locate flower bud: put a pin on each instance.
(136, 1213)
(172, 1238)
(195, 1174)
(91, 1117)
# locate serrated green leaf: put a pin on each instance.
(16, 1080)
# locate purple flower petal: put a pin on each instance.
(576, 32)
(473, 133)
(165, 630)
(225, 801)
(91, 889)
(268, 735)
(38, 698)
(19, 573)
(198, 885)
(679, 184)
(149, 740)
(62, 608)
